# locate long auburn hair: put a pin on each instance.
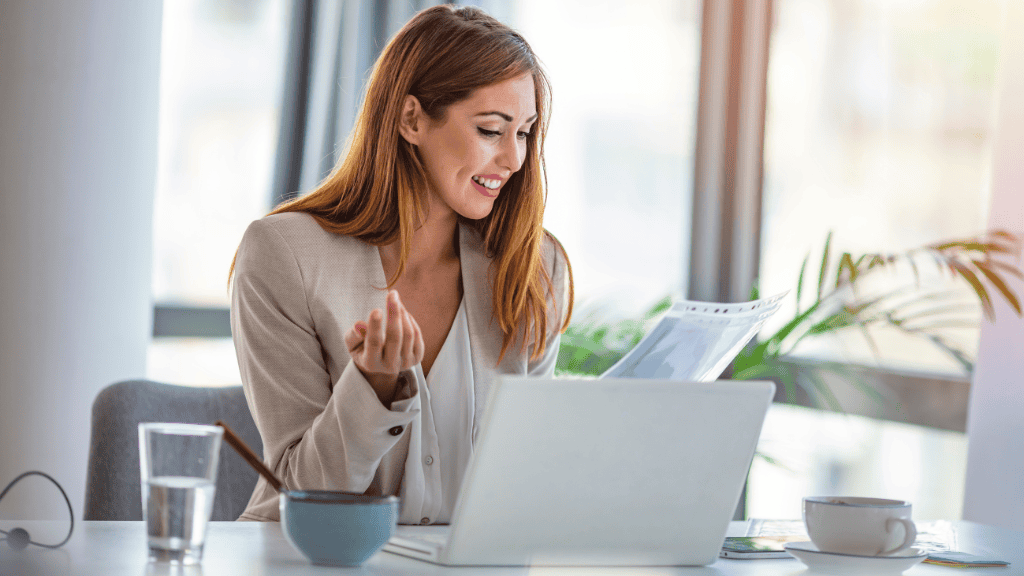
(378, 190)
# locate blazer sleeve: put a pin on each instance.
(317, 434)
(558, 302)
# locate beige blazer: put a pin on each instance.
(296, 291)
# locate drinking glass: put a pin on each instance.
(179, 471)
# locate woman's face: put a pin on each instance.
(471, 153)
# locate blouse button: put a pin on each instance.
(395, 431)
(429, 460)
(424, 520)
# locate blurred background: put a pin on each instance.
(878, 127)
(696, 148)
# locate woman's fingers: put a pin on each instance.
(386, 347)
(393, 339)
(409, 339)
(374, 345)
(355, 336)
(417, 345)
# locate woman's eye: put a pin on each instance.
(496, 133)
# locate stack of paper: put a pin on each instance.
(695, 341)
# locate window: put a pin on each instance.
(821, 453)
(222, 64)
(619, 152)
(879, 127)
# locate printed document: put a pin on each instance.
(695, 341)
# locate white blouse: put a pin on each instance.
(442, 437)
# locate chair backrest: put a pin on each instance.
(113, 490)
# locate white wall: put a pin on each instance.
(994, 490)
(78, 134)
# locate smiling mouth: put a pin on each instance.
(486, 186)
(489, 183)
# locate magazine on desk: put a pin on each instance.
(695, 341)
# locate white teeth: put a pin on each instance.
(487, 183)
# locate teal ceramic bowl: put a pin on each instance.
(335, 528)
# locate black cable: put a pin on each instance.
(18, 538)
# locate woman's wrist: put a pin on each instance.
(384, 385)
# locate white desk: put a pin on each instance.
(119, 548)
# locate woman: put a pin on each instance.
(371, 316)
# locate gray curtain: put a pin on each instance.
(332, 46)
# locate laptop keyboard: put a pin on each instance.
(434, 537)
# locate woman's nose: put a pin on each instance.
(511, 154)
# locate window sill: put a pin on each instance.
(920, 398)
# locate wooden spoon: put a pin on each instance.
(242, 448)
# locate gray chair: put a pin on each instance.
(112, 488)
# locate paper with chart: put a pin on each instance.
(695, 341)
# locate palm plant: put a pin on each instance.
(842, 300)
(847, 298)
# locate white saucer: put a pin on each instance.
(832, 563)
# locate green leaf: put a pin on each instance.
(659, 307)
(846, 263)
(775, 340)
(858, 308)
(1006, 268)
(800, 282)
(838, 321)
(584, 356)
(1011, 243)
(788, 379)
(855, 313)
(876, 261)
(751, 356)
(994, 278)
(969, 245)
(979, 289)
(824, 265)
(1005, 235)
(752, 372)
(747, 358)
(992, 242)
(774, 370)
(771, 460)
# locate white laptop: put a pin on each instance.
(602, 472)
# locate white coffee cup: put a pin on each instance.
(860, 526)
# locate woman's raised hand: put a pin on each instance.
(381, 351)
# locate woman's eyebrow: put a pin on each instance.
(504, 116)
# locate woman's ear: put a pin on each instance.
(412, 121)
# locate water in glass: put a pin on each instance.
(177, 510)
